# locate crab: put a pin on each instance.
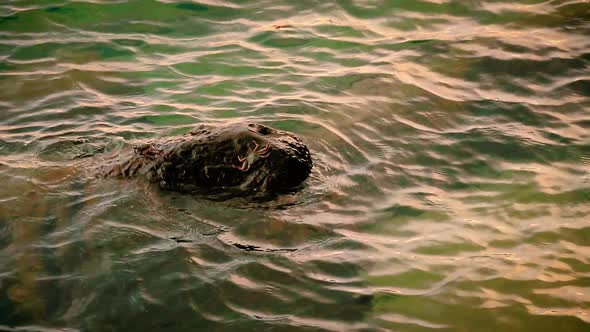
(256, 154)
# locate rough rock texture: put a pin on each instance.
(247, 157)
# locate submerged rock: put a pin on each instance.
(247, 157)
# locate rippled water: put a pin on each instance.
(450, 192)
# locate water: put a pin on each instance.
(450, 192)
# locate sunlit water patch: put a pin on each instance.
(451, 180)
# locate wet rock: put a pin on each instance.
(245, 157)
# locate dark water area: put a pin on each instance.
(450, 192)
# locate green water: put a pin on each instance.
(451, 187)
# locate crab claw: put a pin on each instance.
(263, 153)
(245, 166)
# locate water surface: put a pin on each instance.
(450, 191)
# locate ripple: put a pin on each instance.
(450, 181)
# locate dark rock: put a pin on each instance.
(246, 157)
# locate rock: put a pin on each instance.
(247, 157)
